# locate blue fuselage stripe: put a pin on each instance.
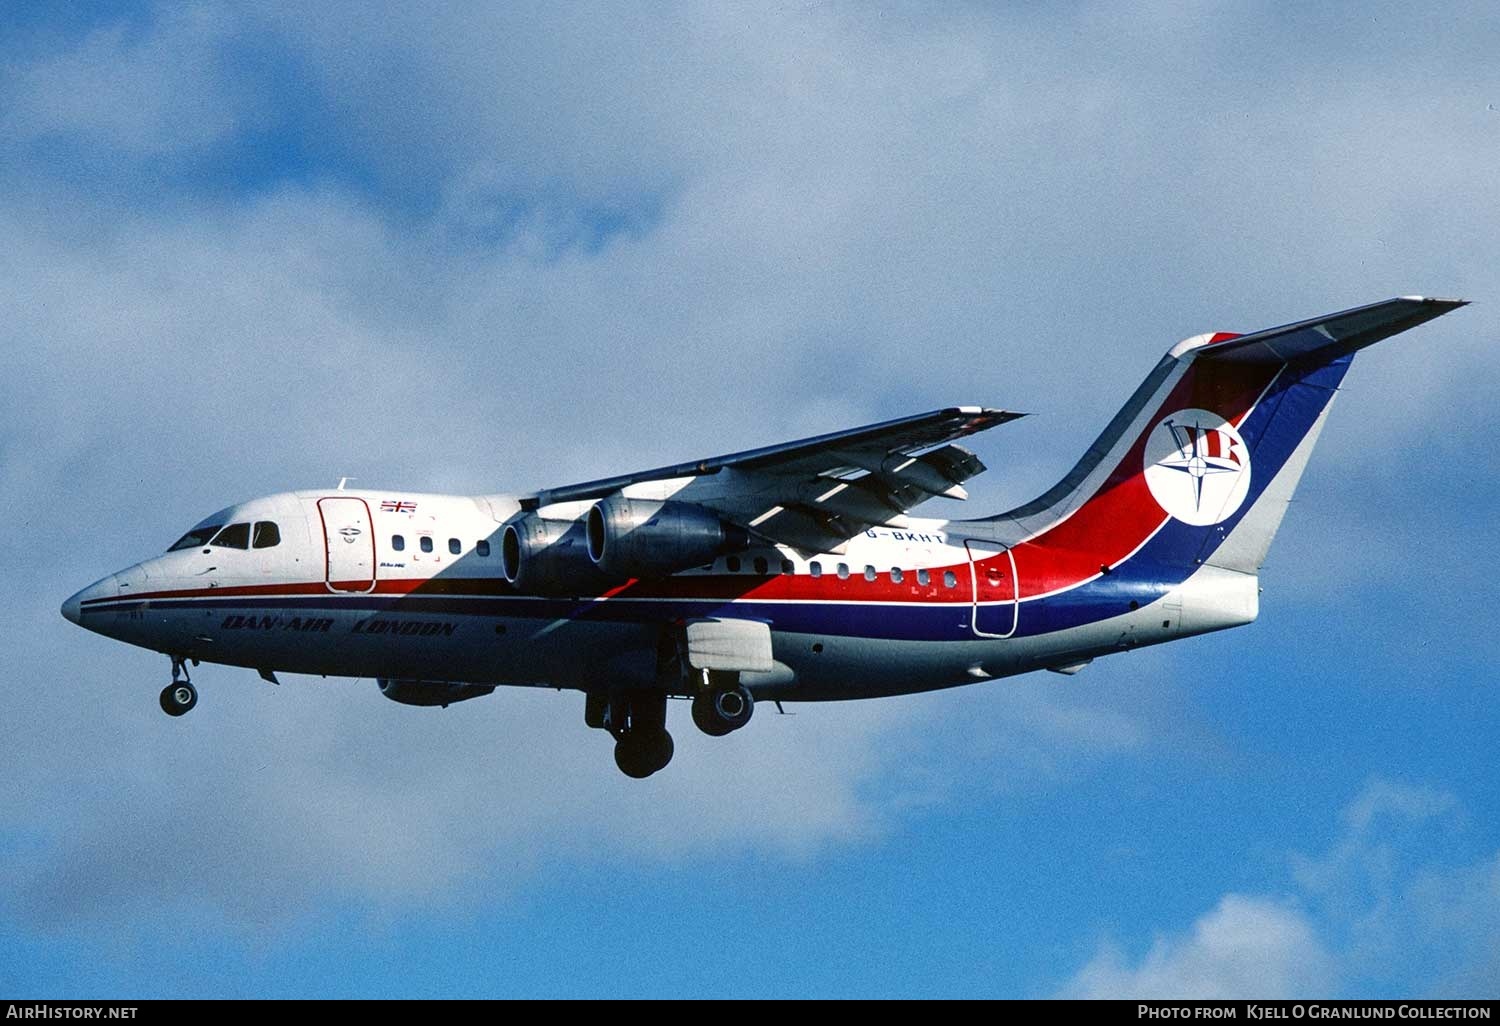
(1272, 431)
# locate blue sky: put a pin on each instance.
(488, 249)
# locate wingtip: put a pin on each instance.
(1445, 303)
(986, 412)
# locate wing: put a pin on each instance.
(816, 493)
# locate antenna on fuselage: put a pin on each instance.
(345, 480)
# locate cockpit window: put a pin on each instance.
(197, 536)
(235, 536)
(267, 534)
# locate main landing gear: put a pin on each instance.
(722, 705)
(179, 696)
(638, 719)
(640, 753)
(638, 722)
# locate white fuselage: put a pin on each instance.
(437, 609)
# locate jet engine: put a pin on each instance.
(544, 556)
(430, 692)
(642, 538)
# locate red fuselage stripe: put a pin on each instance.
(1107, 527)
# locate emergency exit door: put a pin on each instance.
(992, 571)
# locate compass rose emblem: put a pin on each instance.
(1197, 467)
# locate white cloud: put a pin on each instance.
(276, 802)
(1457, 912)
(1362, 909)
(1247, 947)
(154, 91)
(1391, 882)
(1364, 853)
(828, 218)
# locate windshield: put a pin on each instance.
(235, 536)
(202, 531)
(197, 536)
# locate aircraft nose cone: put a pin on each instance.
(72, 609)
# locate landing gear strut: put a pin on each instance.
(179, 696)
(638, 722)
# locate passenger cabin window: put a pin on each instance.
(843, 571)
(896, 575)
(788, 567)
(426, 544)
(235, 536)
(732, 564)
(398, 543)
(869, 573)
(454, 546)
(760, 565)
(482, 549)
(196, 537)
(950, 579)
(267, 535)
(924, 578)
(815, 568)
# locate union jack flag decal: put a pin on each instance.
(394, 506)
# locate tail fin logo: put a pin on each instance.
(1197, 467)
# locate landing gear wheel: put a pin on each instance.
(640, 753)
(723, 710)
(178, 697)
(704, 719)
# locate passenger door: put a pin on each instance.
(349, 542)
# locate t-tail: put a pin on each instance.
(1179, 498)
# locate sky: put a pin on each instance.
(248, 248)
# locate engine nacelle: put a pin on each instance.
(541, 556)
(643, 538)
(430, 692)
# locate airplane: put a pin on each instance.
(793, 572)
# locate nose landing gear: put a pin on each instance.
(179, 696)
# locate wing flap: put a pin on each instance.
(861, 500)
(808, 529)
(940, 472)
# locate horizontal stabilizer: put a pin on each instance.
(1323, 338)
